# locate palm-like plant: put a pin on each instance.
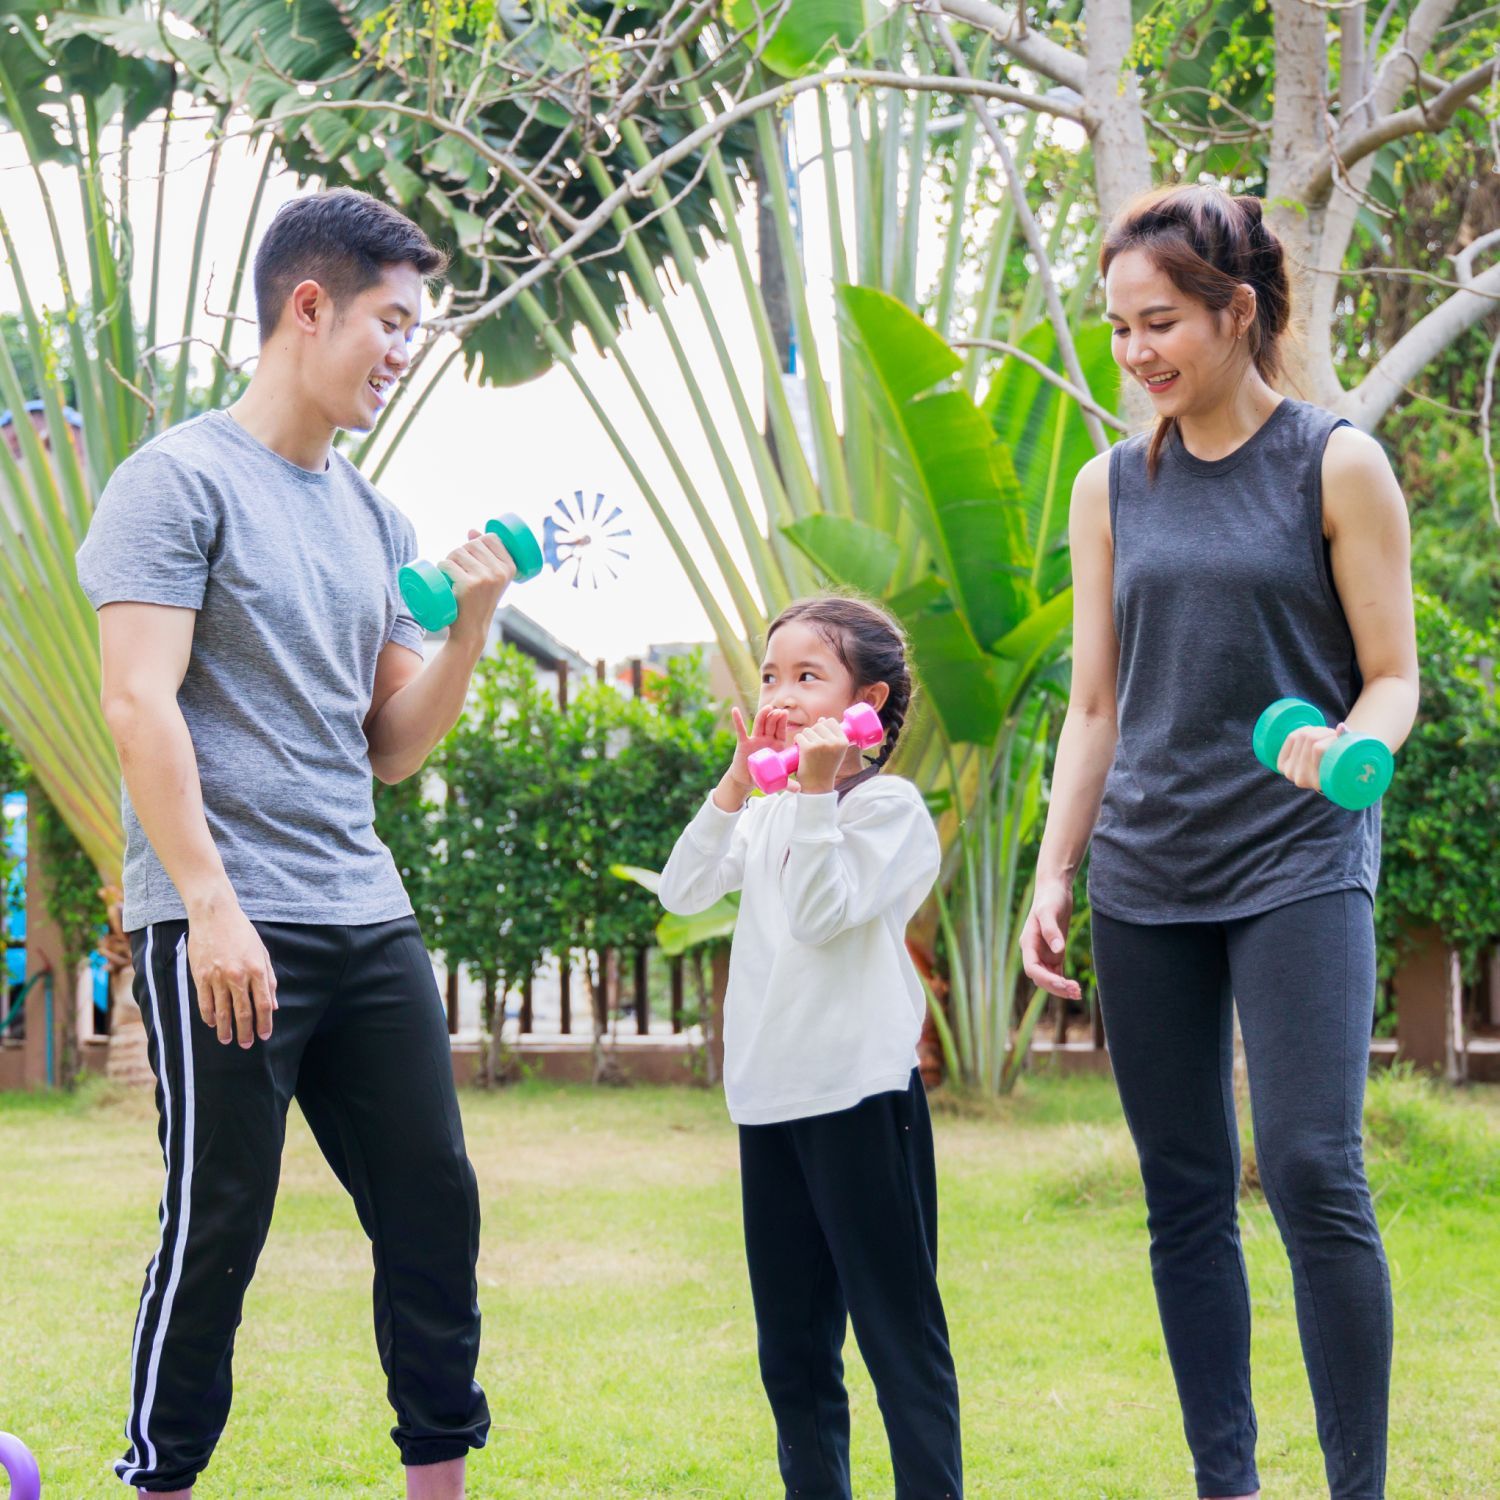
(859, 468)
(49, 675)
(116, 71)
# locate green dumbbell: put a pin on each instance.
(428, 591)
(1356, 768)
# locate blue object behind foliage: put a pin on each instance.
(13, 817)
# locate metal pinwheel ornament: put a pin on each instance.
(579, 535)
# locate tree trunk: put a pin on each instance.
(499, 1065)
(54, 1037)
(1122, 159)
(1423, 1002)
(606, 1066)
(713, 1029)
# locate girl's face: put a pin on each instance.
(802, 673)
(1186, 356)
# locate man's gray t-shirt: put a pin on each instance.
(293, 575)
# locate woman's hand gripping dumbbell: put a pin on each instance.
(770, 766)
(1352, 770)
(506, 550)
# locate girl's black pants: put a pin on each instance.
(841, 1226)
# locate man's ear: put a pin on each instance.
(307, 306)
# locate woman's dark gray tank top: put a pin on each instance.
(1223, 602)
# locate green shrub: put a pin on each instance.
(1424, 1141)
(1441, 817)
(1455, 551)
(506, 842)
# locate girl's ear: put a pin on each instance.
(875, 695)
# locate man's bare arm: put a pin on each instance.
(145, 650)
(413, 707)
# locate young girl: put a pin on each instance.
(821, 1024)
(1251, 547)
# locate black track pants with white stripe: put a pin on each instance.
(361, 1041)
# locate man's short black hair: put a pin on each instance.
(342, 239)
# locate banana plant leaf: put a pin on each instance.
(675, 934)
(1042, 428)
(943, 460)
(854, 552)
(798, 37)
(278, 59)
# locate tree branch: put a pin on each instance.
(1082, 397)
(1463, 262)
(1485, 407)
(1036, 52)
(1369, 401)
(1040, 103)
(1372, 47)
(638, 184)
(1415, 42)
(662, 50)
(1353, 66)
(1351, 145)
(1407, 273)
(1030, 229)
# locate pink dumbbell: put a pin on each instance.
(769, 769)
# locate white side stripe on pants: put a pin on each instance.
(140, 1416)
(132, 1460)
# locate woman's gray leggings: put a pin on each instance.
(1303, 979)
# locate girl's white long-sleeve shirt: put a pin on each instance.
(824, 1006)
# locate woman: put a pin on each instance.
(1251, 547)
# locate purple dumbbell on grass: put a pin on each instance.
(16, 1460)
(769, 769)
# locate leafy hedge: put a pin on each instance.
(1441, 817)
(506, 842)
(1455, 551)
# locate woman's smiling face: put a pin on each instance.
(1178, 349)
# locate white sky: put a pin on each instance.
(475, 451)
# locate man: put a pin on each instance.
(258, 667)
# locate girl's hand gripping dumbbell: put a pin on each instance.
(771, 768)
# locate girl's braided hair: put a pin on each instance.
(870, 644)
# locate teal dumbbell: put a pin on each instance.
(428, 591)
(1356, 768)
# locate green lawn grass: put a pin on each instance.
(619, 1347)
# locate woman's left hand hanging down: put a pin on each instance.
(1044, 944)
